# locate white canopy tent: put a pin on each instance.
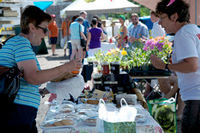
(99, 7)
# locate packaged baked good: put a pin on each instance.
(91, 121)
(60, 123)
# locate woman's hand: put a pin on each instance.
(87, 48)
(157, 62)
(75, 64)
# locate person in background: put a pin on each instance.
(157, 30)
(95, 35)
(136, 29)
(86, 24)
(74, 18)
(65, 33)
(20, 116)
(69, 45)
(100, 25)
(175, 18)
(122, 37)
(53, 33)
(76, 32)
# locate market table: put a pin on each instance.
(149, 77)
(144, 125)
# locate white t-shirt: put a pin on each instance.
(186, 45)
(157, 30)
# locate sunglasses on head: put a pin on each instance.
(44, 29)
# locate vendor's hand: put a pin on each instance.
(157, 62)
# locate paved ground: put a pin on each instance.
(48, 61)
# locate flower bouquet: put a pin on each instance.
(159, 46)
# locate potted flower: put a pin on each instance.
(161, 47)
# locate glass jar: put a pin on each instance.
(105, 68)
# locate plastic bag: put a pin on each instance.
(63, 88)
(117, 120)
(164, 112)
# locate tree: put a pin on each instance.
(143, 10)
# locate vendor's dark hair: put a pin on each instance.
(178, 6)
(34, 15)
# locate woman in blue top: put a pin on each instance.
(17, 51)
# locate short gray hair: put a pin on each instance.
(83, 12)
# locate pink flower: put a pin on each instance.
(145, 48)
(159, 45)
(149, 42)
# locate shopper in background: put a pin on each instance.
(100, 25)
(95, 35)
(175, 18)
(76, 32)
(65, 34)
(86, 24)
(136, 29)
(157, 30)
(53, 33)
(17, 51)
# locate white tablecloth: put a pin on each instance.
(149, 126)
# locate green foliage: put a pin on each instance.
(143, 10)
(89, 1)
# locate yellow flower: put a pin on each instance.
(112, 51)
(108, 53)
(124, 52)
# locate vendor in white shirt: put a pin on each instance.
(157, 29)
(175, 18)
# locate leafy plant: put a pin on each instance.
(159, 46)
(89, 1)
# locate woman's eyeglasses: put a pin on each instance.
(44, 29)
